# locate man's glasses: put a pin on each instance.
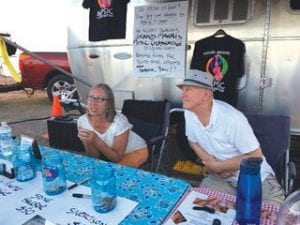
(98, 99)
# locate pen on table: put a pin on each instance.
(78, 183)
(78, 195)
(216, 222)
(204, 208)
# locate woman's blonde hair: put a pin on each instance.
(111, 108)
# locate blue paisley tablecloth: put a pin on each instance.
(156, 194)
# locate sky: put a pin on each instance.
(37, 25)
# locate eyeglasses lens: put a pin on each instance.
(96, 98)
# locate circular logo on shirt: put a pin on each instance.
(217, 66)
(104, 3)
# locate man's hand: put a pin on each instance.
(214, 166)
(211, 164)
(225, 175)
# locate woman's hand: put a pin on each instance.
(88, 139)
(86, 135)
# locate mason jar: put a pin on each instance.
(103, 188)
(24, 163)
(53, 173)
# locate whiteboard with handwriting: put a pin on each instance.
(159, 43)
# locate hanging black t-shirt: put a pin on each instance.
(107, 19)
(223, 57)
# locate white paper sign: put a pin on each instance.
(159, 41)
(8, 165)
(22, 201)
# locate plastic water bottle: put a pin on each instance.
(249, 192)
(103, 189)
(6, 142)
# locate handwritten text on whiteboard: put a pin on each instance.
(160, 39)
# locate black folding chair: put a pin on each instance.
(150, 120)
(273, 134)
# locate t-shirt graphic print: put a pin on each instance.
(107, 19)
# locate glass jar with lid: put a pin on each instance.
(103, 188)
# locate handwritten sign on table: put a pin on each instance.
(159, 41)
(22, 201)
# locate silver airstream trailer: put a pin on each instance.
(269, 29)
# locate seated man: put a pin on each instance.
(221, 137)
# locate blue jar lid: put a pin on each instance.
(251, 165)
(21, 149)
(103, 171)
(51, 157)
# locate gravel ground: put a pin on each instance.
(17, 106)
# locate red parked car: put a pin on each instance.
(37, 75)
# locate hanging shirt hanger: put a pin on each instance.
(220, 33)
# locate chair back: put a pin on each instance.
(63, 134)
(273, 134)
(150, 119)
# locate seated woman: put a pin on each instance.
(106, 133)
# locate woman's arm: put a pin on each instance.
(95, 146)
(85, 136)
(117, 151)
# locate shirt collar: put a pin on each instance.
(212, 119)
(213, 115)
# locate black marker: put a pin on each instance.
(78, 195)
(78, 183)
(204, 208)
(216, 222)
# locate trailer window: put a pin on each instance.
(219, 12)
(295, 4)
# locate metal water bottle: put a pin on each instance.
(103, 189)
(249, 192)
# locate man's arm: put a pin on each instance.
(223, 168)
(234, 163)
(201, 153)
